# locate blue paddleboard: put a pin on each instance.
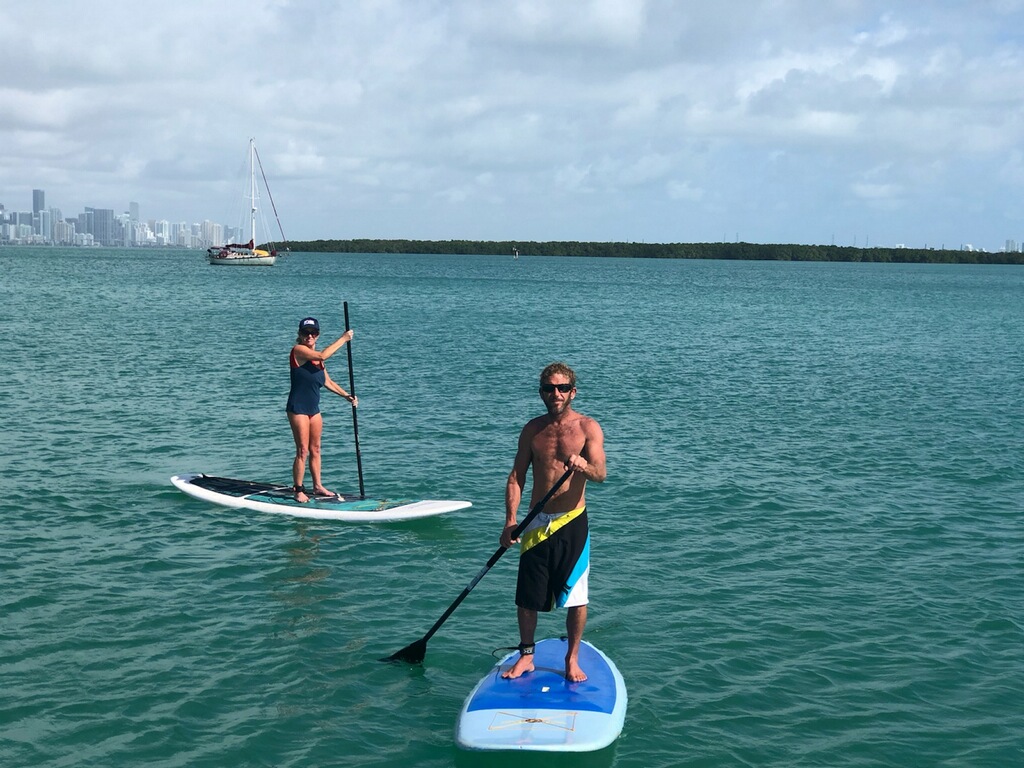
(541, 710)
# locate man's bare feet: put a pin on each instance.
(319, 490)
(300, 495)
(523, 665)
(573, 673)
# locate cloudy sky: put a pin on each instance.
(852, 122)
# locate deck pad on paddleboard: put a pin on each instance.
(542, 710)
(280, 499)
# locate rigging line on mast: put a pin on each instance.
(269, 195)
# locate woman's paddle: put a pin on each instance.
(414, 653)
(355, 421)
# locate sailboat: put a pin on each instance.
(247, 254)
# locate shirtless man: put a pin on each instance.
(554, 550)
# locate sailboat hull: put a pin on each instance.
(258, 259)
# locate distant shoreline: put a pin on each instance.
(739, 251)
(729, 251)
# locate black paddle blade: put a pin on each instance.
(414, 653)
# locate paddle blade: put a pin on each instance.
(414, 653)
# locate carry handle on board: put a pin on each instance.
(414, 653)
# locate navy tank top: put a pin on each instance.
(307, 379)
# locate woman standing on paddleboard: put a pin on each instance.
(308, 375)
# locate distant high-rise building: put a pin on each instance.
(103, 229)
(211, 233)
(85, 222)
(63, 232)
(133, 211)
(45, 229)
(38, 201)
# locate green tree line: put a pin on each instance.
(738, 251)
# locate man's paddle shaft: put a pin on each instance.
(415, 652)
(538, 508)
(469, 588)
(355, 421)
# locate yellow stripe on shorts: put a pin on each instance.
(535, 536)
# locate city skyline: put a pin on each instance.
(47, 225)
(129, 230)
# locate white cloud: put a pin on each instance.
(298, 159)
(876, 192)
(463, 116)
(684, 190)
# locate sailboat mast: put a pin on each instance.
(252, 193)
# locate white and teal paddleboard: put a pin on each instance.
(541, 710)
(280, 500)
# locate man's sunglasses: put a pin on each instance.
(563, 388)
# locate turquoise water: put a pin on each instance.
(808, 551)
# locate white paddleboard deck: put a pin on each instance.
(280, 500)
(541, 710)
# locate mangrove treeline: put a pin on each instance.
(744, 251)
